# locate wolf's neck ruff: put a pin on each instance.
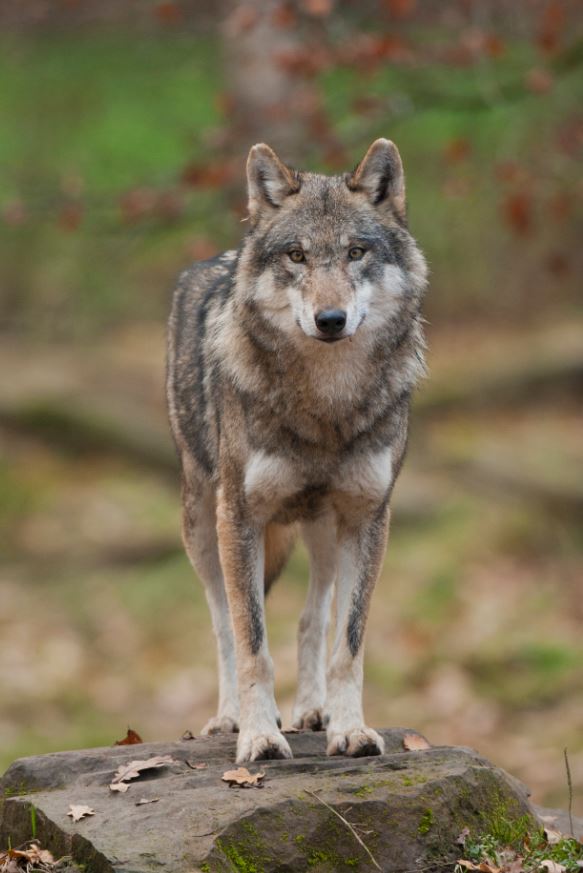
(291, 363)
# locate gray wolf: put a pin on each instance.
(291, 364)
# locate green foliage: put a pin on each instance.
(426, 823)
(531, 845)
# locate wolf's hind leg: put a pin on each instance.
(320, 539)
(361, 550)
(200, 540)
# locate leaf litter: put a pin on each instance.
(31, 858)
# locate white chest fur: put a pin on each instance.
(271, 480)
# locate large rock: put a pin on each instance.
(407, 807)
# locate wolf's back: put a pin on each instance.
(201, 293)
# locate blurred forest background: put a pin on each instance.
(125, 128)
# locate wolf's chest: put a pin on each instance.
(278, 488)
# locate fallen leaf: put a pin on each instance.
(415, 743)
(198, 766)
(514, 866)
(145, 800)
(552, 866)
(483, 867)
(134, 768)
(461, 840)
(243, 777)
(187, 735)
(122, 787)
(77, 812)
(131, 739)
(553, 837)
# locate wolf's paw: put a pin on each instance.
(311, 720)
(220, 725)
(357, 743)
(262, 747)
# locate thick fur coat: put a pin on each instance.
(291, 365)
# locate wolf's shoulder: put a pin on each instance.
(212, 275)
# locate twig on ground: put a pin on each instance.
(348, 825)
(570, 784)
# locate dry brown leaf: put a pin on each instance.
(552, 866)
(187, 735)
(483, 867)
(461, 840)
(243, 777)
(131, 739)
(145, 800)
(135, 768)
(553, 837)
(122, 787)
(415, 743)
(16, 860)
(200, 765)
(77, 811)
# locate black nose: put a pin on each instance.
(331, 321)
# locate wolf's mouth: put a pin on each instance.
(330, 339)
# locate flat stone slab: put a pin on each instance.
(407, 807)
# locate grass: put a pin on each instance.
(511, 841)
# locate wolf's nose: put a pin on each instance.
(331, 321)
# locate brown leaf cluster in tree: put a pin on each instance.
(135, 768)
(457, 150)
(551, 26)
(243, 778)
(415, 743)
(517, 209)
(400, 8)
(132, 738)
(142, 203)
(210, 175)
(168, 12)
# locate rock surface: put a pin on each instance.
(407, 807)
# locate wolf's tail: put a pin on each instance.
(279, 541)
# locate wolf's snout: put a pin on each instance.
(331, 321)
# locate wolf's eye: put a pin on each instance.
(297, 256)
(356, 253)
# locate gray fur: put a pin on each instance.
(246, 379)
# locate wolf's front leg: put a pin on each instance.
(321, 542)
(242, 557)
(361, 550)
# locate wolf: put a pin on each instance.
(291, 364)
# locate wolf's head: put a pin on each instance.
(327, 257)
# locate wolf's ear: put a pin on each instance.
(380, 175)
(269, 181)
